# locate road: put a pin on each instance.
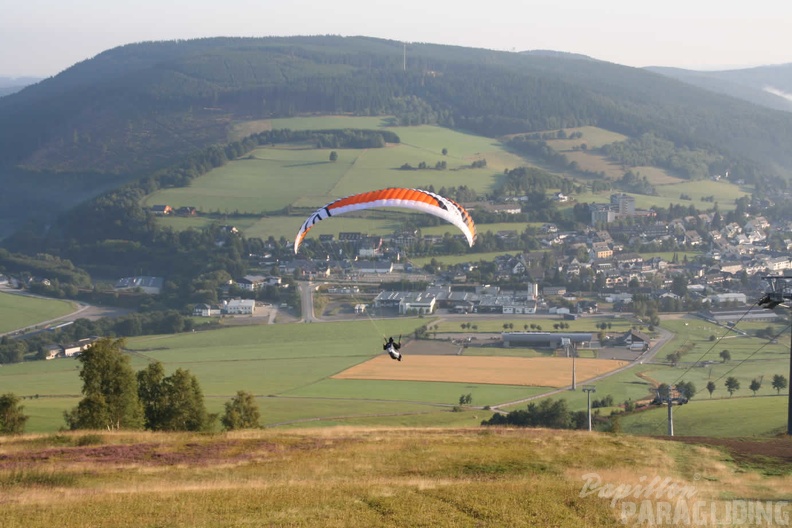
(308, 315)
(82, 311)
(306, 299)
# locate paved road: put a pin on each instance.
(82, 311)
(306, 299)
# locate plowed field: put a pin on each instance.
(541, 372)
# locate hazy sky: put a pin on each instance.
(44, 37)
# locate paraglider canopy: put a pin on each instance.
(415, 199)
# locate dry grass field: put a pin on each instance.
(537, 372)
(366, 477)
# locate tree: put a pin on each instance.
(674, 358)
(711, 387)
(185, 409)
(12, 419)
(663, 392)
(171, 403)
(679, 285)
(686, 389)
(445, 151)
(732, 385)
(755, 386)
(333, 155)
(725, 355)
(779, 383)
(150, 394)
(111, 399)
(241, 412)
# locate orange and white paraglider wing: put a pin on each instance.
(415, 199)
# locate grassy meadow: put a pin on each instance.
(271, 178)
(20, 311)
(724, 193)
(354, 477)
(751, 358)
(288, 367)
(719, 417)
(255, 189)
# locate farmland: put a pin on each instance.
(301, 373)
(537, 371)
(289, 367)
(255, 191)
(272, 178)
(20, 311)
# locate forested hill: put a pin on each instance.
(769, 86)
(136, 108)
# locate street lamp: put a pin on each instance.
(780, 291)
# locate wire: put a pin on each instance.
(715, 343)
(751, 354)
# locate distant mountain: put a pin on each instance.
(769, 86)
(556, 54)
(136, 109)
(9, 85)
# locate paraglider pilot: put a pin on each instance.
(392, 348)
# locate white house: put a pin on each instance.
(205, 310)
(251, 282)
(421, 302)
(240, 307)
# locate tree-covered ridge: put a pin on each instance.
(140, 107)
(650, 150)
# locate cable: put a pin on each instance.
(715, 343)
(751, 354)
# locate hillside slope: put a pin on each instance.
(768, 86)
(138, 107)
(377, 477)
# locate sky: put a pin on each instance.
(44, 37)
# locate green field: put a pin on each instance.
(451, 260)
(271, 178)
(725, 417)
(724, 193)
(752, 358)
(619, 325)
(20, 311)
(287, 367)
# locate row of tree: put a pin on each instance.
(115, 397)
(732, 384)
(554, 414)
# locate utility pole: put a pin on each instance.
(668, 398)
(574, 353)
(588, 389)
(670, 415)
(570, 350)
(780, 291)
